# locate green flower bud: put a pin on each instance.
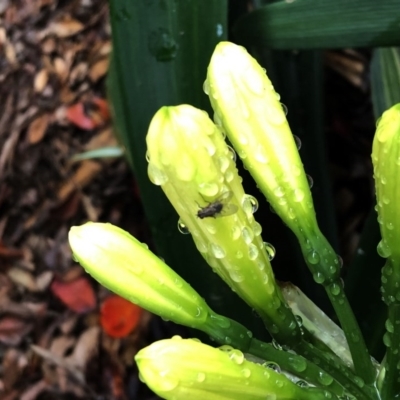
(187, 369)
(386, 161)
(248, 110)
(189, 158)
(127, 267)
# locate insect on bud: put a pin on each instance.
(189, 159)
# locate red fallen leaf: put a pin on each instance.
(89, 114)
(76, 115)
(77, 295)
(119, 317)
(13, 330)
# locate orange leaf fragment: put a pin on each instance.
(77, 295)
(89, 114)
(119, 317)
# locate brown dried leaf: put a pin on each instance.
(43, 280)
(65, 28)
(86, 347)
(82, 177)
(98, 70)
(23, 278)
(41, 79)
(38, 128)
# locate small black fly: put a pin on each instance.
(218, 207)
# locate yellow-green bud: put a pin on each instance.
(127, 267)
(248, 110)
(189, 159)
(187, 369)
(386, 161)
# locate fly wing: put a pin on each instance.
(228, 209)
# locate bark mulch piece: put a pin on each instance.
(54, 57)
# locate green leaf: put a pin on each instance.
(312, 24)
(103, 152)
(161, 53)
(385, 79)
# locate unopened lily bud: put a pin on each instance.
(187, 369)
(127, 267)
(189, 159)
(248, 109)
(386, 161)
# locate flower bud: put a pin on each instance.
(386, 161)
(248, 110)
(187, 369)
(189, 159)
(127, 267)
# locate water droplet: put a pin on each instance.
(249, 204)
(276, 345)
(233, 153)
(297, 141)
(324, 378)
(270, 249)
(310, 181)
(274, 366)
(313, 257)
(319, 277)
(359, 381)
(217, 251)
(257, 228)
(182, 228)
(201, 377)
(207, 189)
(235, 232)
(236, 356)
(279, 191)
(219, 30)
(239, 254)
(156, 176)
(162, 45)
(247, 234)
(390, 226)
(335, 289)
(223, 162)
(206, 87)
(383, 249)
(261, 155)
(302, 383)
(236, 276)
(298, 195)
(298, 363)
(252, 251)
(299, 320)
(389, 326)
(284, 108)
(246, 372)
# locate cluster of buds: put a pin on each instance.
(190, 160)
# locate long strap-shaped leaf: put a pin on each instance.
(313, 24)
(161, 50)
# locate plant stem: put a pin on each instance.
(323, 262)
(346, 377)
(391, 386)
(359, 352)
(296, 365)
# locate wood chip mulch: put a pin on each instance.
(54, 57)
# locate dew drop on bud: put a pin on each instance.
(297, 141)
(182, 228)
(270, 249)
(310, 181)
(233, 153)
